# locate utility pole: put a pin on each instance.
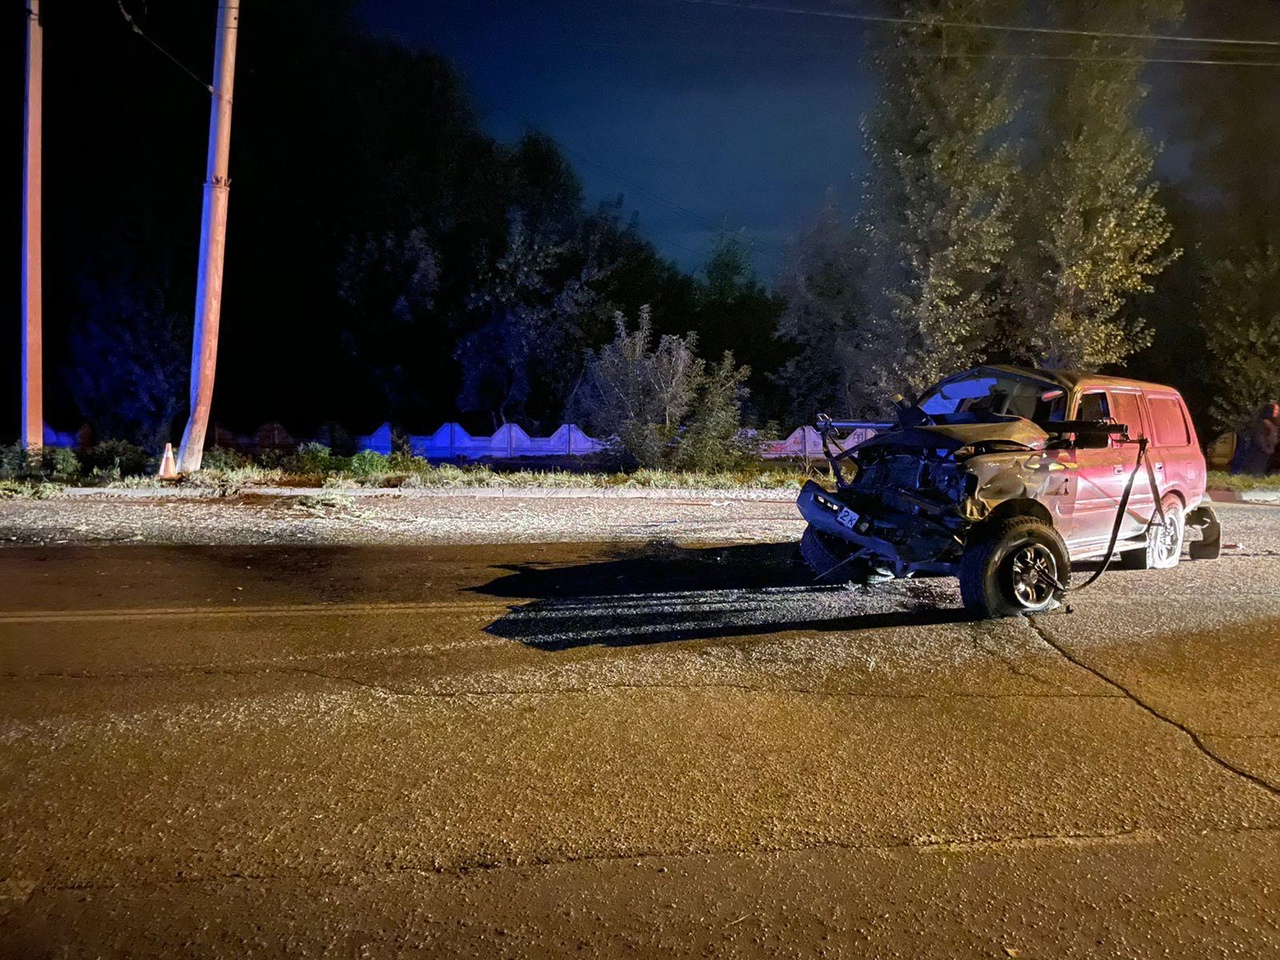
(213, 235)
(32, 294)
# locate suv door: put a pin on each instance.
(1127, 408)
(1100, 478)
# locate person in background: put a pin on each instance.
(1273, 461)
(1260, 440)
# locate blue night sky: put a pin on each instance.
(704, 117)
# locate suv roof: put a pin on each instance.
(1071, 379)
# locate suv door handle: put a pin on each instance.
(1159, 466)
(1119, 470)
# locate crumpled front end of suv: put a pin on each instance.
(1002, 476)
(910, 495)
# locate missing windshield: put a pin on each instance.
(987, 395)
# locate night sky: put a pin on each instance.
(707, 118)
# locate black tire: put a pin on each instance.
(1000, 572)
(827, 560)
(1163, 548)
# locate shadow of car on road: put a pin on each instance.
(662, 593)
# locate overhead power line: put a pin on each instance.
(808, 51)
(1009, 28)
(939, 55)
(133, 25)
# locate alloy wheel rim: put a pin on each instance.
(1167, 539)
(1034, 571)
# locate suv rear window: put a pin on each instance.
(1169, 425)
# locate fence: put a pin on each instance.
(509, 442)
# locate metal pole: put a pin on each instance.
(213, 235)
(32, 294)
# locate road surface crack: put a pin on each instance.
(1194, 737)
(340, 678)
(1010, 663)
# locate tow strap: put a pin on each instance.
(1124, 504)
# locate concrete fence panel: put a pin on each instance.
(451, 441)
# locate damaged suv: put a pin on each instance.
(1002, 477)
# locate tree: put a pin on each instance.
(636, 275)
(546, 193)
(825, 319)
(1228, 218)
(712, 438)
(1241, 318)
(389, 282)
(734, 312)
(1093, 232)
(379, 283)
(130, 350)
(1228, 125)
(937, 217)
(522, 359)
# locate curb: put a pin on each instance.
(1269, 497)
(515, 493)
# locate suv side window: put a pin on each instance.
(1169, 425)
(1094, 406)
(1127, 409)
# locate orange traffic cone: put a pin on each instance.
(168, 467)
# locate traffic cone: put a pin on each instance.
(168, 467)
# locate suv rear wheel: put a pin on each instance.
(1018, 566)
(1164, 540)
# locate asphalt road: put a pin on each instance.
(624, 749)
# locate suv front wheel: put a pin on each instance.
(1018, 566)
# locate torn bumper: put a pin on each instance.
(833, 517)
(901, 542)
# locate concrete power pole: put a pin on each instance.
(32, 294)
(213, 235)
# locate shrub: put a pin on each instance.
(52, 463)
(662, 404)
(15, 462)
(272, 460)
(405, 462)
(15, 490)
(713, 438)
(59, 463)
(117, 457)
(312, 459)
(225, 459)
(366, 463)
